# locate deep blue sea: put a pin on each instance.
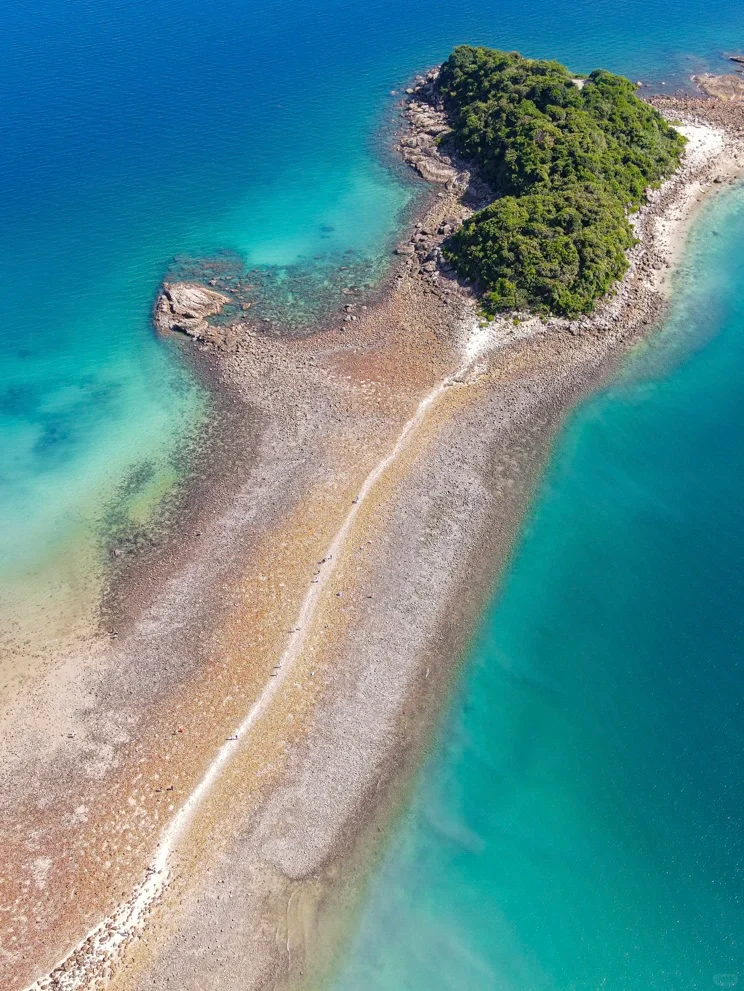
(580, 824)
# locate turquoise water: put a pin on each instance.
(118, 151)
(131, 132)
(580, 823)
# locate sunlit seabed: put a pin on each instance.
(580, 825)
(580, 822)
(133, 133)
(98, 422)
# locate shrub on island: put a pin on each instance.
(568, 160)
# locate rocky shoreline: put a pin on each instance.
(728, 87)
(329, 593)
(635, 302)
(422, 144)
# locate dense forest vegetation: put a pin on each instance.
(567, 162)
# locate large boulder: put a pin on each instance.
(187, 306)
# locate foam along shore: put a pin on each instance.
(401, 449)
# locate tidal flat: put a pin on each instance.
(228, 746)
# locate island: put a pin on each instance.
(242, 719)
(567, 159)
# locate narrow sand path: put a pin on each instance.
(96, 952)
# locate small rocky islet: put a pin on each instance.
(290, 301)
(186, 307)
(390, 355)
(542, 219)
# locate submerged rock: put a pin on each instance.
(186, 306)
(728, 88)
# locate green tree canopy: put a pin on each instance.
(567, 163)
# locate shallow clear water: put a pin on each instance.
(132, 132)
(580, 823)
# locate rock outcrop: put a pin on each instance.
(427, 123)
(729, 88)
(186, 307)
